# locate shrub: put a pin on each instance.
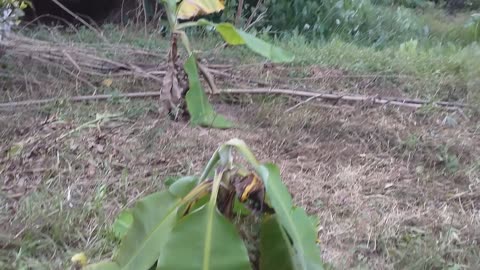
(349, 19)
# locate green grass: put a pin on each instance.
(440, 72)
(442, 66)
(450, 28)
(53, 229)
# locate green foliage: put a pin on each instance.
(438, 71)
(234, 36)
(462, 29)
(449, 160)
(404, 3)
(274, 242)
(473, 24)
(178, 229)
(350, 19)
(294, 220)
(201, 111)
(122, 224)
(208, 240)
(10, 13)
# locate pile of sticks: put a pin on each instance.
(83, 61)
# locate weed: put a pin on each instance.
(417, 250)
(412, 141)
(449, 160)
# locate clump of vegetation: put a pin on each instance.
(192, 224)
(10, 13)
(352, 20)
(174, 87)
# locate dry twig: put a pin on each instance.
(401, 102)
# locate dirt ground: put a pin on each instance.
(393, 188)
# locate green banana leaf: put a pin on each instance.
(105, 265)
(276, 251)
(297, 224)
(201, 111)
(153, 218)
(205, 240)
(235, 36)
(242, 147)
(183, 186)
(191, 246)
(122, 223)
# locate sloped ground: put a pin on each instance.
(393, 189)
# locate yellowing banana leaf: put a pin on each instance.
(295, 221)
(183, 186)
(200, 110)
(235, 36)
(193, 8)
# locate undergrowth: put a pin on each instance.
(420, 68)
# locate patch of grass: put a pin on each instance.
(442, 72)
(55, 227)
(445, 28)
(415, 249)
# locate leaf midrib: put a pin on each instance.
(177, 204)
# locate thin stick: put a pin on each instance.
(208, 76)
(72, 61)
(78, 99)
(326, 96)
(382, 101)
(233, 76)
(301, 103)
(87, 124)
(76, 76)
(250, 21)
(80, 20)
(238, 16)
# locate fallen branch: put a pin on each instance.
(208, 77)
(413, 103)
(402, 102)
(301, 103)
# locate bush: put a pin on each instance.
(404, 3)
(10, 13)
(463, 29)
(349, 19)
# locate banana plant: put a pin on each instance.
(174, 88)
(191, 224)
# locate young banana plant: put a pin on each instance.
(191, 224)
(174, 88)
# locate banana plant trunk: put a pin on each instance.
(175, 82)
